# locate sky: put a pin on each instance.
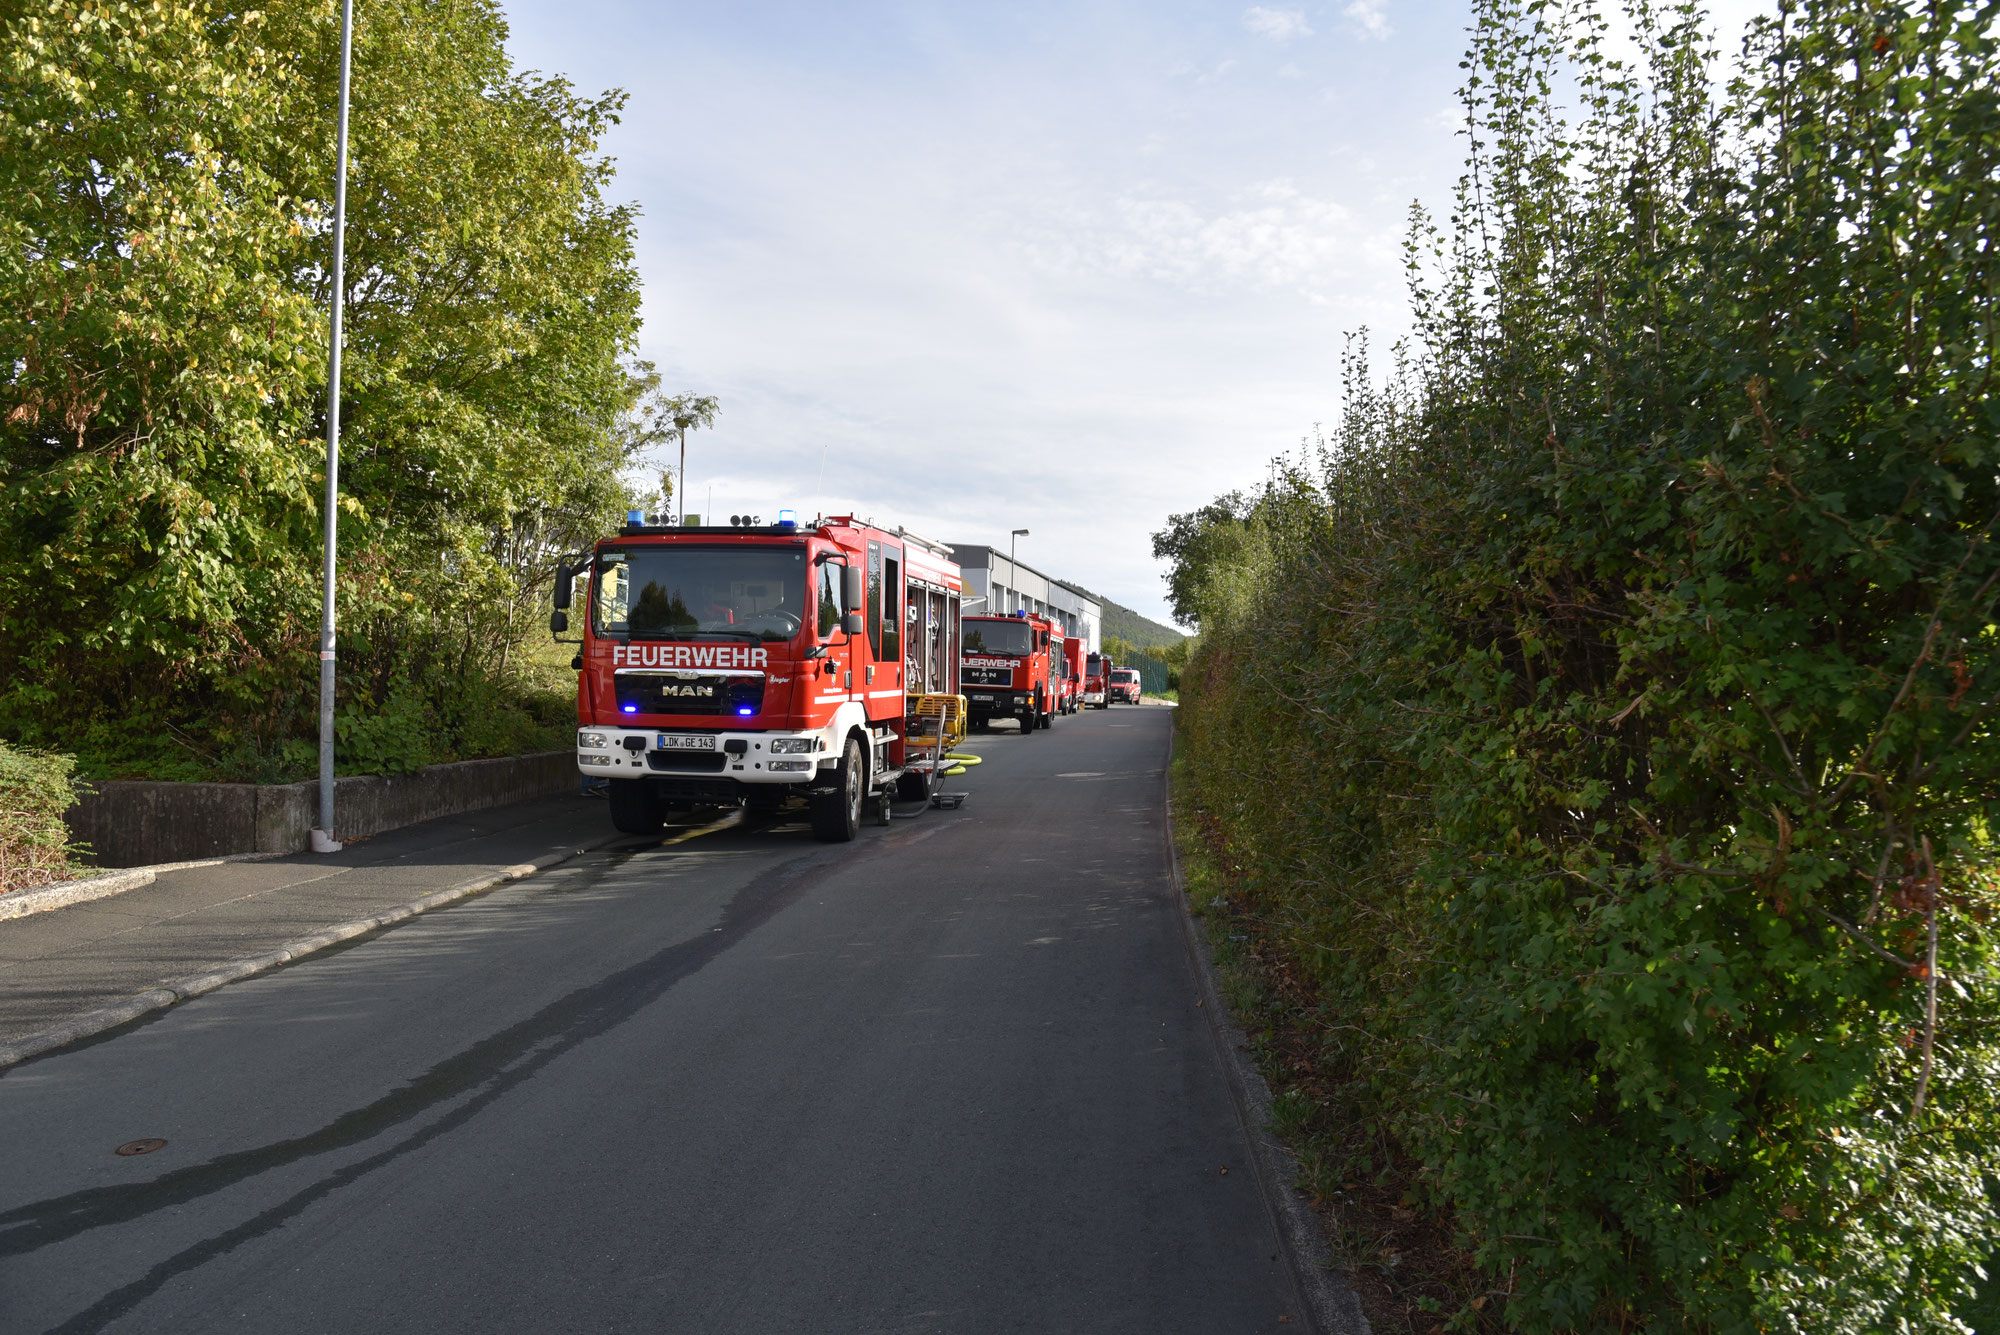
(1069, 267)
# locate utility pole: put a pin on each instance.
(322, 838)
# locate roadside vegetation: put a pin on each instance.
(35, 846)
(1595, 731)
(165, 179)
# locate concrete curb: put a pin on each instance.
(62, 894)
(175, 990)
(1331, 1305)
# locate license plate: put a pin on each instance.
(675, 741)
(987, 698)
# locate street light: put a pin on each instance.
(322, 838)
(1012, 576)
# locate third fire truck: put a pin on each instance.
(1008, 669)
(1072, 666)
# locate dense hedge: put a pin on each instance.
(35, 789)
(1606, 715)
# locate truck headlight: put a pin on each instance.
(594, 760)
(596, 740)
(794, 746)
(788, 766)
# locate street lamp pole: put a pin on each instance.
(1012, 574)
(322, 838)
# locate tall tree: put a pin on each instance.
(166, 173)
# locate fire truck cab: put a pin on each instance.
(1097, 682)
(1007, 668)
(751, 663)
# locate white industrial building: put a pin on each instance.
(1009, 586)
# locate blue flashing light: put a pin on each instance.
(635, 516)
(746, 710)
(788, 519)
(1023, 614)
(631, 709)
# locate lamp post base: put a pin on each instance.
(322, 842)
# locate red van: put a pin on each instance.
(1125, 685)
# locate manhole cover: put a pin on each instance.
(146, 1146)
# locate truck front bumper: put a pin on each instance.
(612, 752)
(998, 702)
(1093, 697)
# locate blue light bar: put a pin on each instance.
(788, 519)
(635, 516)
(746, 710)
(631, 709)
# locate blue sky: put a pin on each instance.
(1064, 267)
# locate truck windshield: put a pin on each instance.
(676, 592)
(999, 637)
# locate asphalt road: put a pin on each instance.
(948, 1078)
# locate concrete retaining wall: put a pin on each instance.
(131, 824)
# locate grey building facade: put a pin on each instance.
(1010, 586)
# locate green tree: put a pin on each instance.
(167, 171)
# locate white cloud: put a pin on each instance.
(1371, 17)
(1274, 237)
(1280, 25)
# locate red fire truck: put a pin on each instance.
(750, 663)
(1072, 666)
(1097, 682)
(1008, 668)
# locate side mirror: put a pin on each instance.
(564, 578)
(853, 624)
(558, 621)
(853, 592)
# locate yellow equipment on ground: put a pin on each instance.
(941, 719)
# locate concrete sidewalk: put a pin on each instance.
(70, 961)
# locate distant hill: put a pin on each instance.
(1128, 625)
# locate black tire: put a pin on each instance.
(635, 808)
(836, 816)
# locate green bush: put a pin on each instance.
(1607, 716)
(36, 788)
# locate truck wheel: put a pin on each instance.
(634, 807)
(836, 816)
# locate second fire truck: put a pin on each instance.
(1009, 669)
